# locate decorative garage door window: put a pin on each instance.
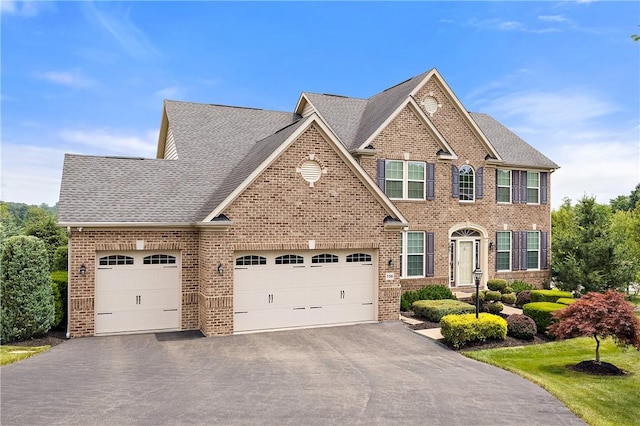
(116, 259)
(358, 257)
(251, 260)
(289, 259)
(324, 258)
(159, 259)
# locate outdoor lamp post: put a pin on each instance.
(477, 274)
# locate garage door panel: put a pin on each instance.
(271, 296)
(137, 296)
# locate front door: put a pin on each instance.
(466, 263)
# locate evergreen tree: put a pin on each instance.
(27, 307)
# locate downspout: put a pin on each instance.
(68, 335)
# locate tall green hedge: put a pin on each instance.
(27, 302)
(541, 313)
(549, 295)
(430, 292)
(59, 281)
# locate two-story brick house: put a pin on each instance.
(251, 220)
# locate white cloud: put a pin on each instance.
(109, 142)
(506, 25)
(119, 24)
(553, 18)
(67, 78)
(31, 174)
(586, 134)
(172, 92)
(25, 9)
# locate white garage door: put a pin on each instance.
(137, 291)
(300, 289)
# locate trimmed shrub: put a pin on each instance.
(509, 298)
(434, 310)
(60, 259)
(495, 308)
(482, 296)
(523, 298)
(497, 284)
(59, 285)
(491, 295)
(507, 290)
(518, 285)
(566, 301)
(541, 313)
(459, 330)
(549, 295)
(430, 292)
(25, 285)
(521, 327)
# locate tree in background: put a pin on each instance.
(626, 202)
(27, 307)
(586, 256)
(39, 223)
(599, 315)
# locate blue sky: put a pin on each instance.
(90, 77)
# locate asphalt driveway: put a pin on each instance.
(362, 374)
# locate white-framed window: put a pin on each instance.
(466, 183)
(324, 258)
(412, 254)
(533, 250)
(405, 180)
(503, 182)
(159, 259)
(503, 251)
(533, 187)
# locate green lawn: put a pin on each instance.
(9, 354)
(598, 400)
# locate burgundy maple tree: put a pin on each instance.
(599, 315)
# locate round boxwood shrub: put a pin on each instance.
(507, 290)
(497, 284)
(495, 308)
(482, 295)
(523, 298)
(25, 285)
(541, 313)
(509, 298)
(459, 330)
(521, 327)
(492, 295)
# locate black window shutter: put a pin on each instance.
(430, 254)
(523, 250)
(381, 173)
(543, 187)
(523, 187)
(479, 182)
(515, 186)
(515, 251)
(455, 182)
(431, 181)
(544, 250)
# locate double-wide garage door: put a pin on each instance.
(299, 289)
(137, 291)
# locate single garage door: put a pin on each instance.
(137, 291)
(300, 289)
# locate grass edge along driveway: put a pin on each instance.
(598, 400)
(10, 354)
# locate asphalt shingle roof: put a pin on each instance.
(220, 146)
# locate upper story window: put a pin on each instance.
(527, 187)
(405, 179)
(466, 183)
(503, 186)
(533, 187)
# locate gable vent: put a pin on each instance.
(310, 171)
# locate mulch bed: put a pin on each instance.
(598, 369)
(52, 338)
(491, 344)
